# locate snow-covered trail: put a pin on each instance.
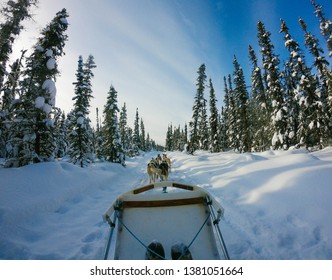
(277, 203)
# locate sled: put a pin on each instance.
(184, 214)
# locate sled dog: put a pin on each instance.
(165, 158)
(150, 169)
(161, 171)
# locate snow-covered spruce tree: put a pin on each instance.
(241, 99)
(79, 129)
(169, 142)
(13, 14)
(185, 136)
(98, 136)
(324, 76)
(325, 25)
(142, 135)
(304, 102)
(61, 134)
(136, 144)
(176, 135)
(33, 132)
(222, 130)
(123, 126)
(148, 144)
(214, 121)
(259, 107)
(194, 124)
(112, 148)
(274, 90)
(224, 118)
(204, 129)
(132, 149)
(231, 117)
(10, 91)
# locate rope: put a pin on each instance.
(141, 242)
(192, 241)
(147, 248)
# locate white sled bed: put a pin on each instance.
(185, 214)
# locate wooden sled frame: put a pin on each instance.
(140, 203)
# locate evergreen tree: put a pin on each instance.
(185, 135)
(148, 143)
(259, 107)
(61, 134)
(169, 143)
(198, 106)
(136, 135)
(204, 129)
(222, 130)
(142, 135)
(80, 132)
(13, 13)
(325, 25)
(241, 106)
(274, 90)
(214, 122)
(112, 148)
(10, 90)
(325, 78)
(123, 126)
(177, 139)
(132, 148)
(33, 127)
(231, 118)
(225, 118)
(98, 136)
(302, 90)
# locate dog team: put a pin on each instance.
(159, 167)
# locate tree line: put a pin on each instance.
(32, 128)
(285, 106)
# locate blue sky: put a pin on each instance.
(150, 50)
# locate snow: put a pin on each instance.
(47, 108)
(311, 125)
(49, 53)
(277, 203)
(279, 115)
(64, 21)
(39, 102)
(39, 48)
(80, 120)
(51, 63)
(49, 86)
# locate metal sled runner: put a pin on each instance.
(185, 214)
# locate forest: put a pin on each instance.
(285, 105)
